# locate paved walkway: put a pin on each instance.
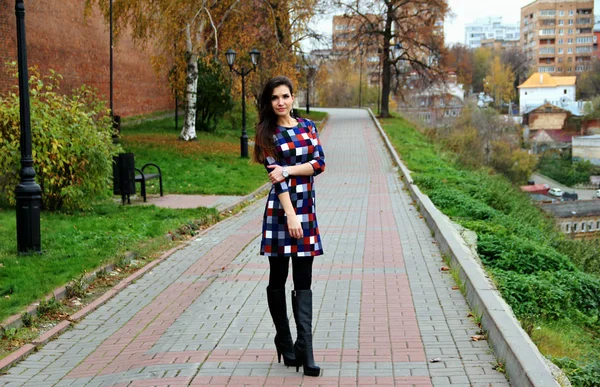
(382, 308)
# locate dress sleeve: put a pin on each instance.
(280, 187)
(318, 160)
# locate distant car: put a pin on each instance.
(556, 192)
(598, 193)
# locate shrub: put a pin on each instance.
(214, 94)
(584, 253)
(554, 296)
(581, 375)
(71, 142)
(566, 170)
(521, 255)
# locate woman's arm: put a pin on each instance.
(276, 173)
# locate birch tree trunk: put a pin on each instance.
(189, 127)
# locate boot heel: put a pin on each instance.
(309, 371)
(278, 356)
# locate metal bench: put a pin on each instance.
(125, 175)
(143, 176)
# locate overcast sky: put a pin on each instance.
(466, 11)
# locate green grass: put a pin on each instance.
(313, 116)
(79, 242)
(209, 166)
(528, 258)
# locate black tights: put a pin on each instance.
(301, 272)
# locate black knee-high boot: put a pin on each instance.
(302, 306)
(283, 338)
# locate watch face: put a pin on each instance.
(285, 172)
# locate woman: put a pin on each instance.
(291, 151)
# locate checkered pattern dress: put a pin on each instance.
(294, 146)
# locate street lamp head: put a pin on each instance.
(254, 56)
(230, 55)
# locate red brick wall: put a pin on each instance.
(59, 38)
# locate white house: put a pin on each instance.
(543, 88)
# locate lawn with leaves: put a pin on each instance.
(80, 242)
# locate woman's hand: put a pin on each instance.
(276, 175)
(294, 227)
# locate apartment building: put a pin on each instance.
(345, 44)
(490, 28)
(596, 38)
(499, 44)
(557, 35)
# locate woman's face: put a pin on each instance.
(282, 101)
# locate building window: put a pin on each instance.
(582, 226)
(571, 12)
(583, 49)
(584, 39)
(548, 31)
(561, 22)
(569, 50)
(561, 13)
(574, 227)
(591, 226)
(561, 32)
(570, 22)
(567, 227)
(560, 41)
(570, 41)
(570, 31)
(547, 12)
(560, 51)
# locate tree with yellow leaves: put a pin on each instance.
(499, 84)
(180, 32)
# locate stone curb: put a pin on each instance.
(43, 339)
(16, 356)
(15, 320)
(524, 364)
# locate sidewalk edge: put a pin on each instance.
(525, 365)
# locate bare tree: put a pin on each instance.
(409, 33)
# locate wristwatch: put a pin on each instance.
(285, 172)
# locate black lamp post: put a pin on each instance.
(116, 120)
(310, 69)
(254, 57)
(309, 75)
(28, 193)
(360, 80)
(112, 112)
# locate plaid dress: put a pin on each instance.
(294, 146)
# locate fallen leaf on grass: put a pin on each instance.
(469, 314)
(455, 288)
(477, 337)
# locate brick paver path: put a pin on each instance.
(382, 307)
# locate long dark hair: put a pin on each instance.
(267, 120)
